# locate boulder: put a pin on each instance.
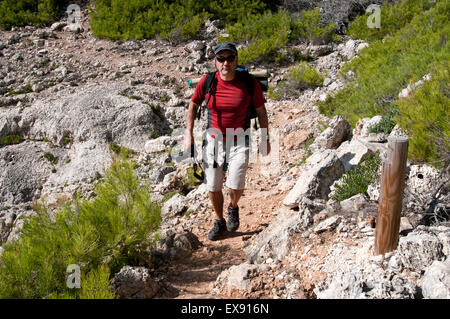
(175, 206)
(23, 170)
(275, 241)
(321, 170)
(352, 153)
(362, 130)
(236, 277)
(419, 249)
(328, 224)
(174, 245)
(368, 281)
(336, 132)
(96, 112)
(134, 283)
(435, 282)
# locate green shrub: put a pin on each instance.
(115, 229)
(298, 78)
(392, 18)
(388, 66)
(357, 180)
(309, 27)
(267, 33)
(11, 139)
(120, 150)
(387, 123)
(172, 20)
(24, 12)
(51, 158)
(425, 116)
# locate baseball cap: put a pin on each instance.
(225, 46)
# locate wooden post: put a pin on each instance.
(391, 194)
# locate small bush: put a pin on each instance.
(357, 180)
(387, 123)
(11, 139)
(115, 229)
(51, 158)
(298, 78)
(172, 20)
(386, 67)
(121, 150)
(392, 18)
(25, 12)
(425, 116)
(309, 27)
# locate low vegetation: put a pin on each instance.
(171, 20)
(408, 51)
(101, 235)
(298, 78)
(25, 12)
(11, 139)
(357, 180)
(269, 32)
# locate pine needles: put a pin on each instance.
(115, 229)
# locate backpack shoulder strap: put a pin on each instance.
(208, 87)
(249, 80)
(209, 83)
(246, 77)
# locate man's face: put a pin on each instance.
(226, 63)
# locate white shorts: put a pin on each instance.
(235, 160)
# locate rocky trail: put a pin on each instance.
(195, 276)
(71, 95)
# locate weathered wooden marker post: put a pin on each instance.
(391, 194)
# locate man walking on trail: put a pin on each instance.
(226, 140)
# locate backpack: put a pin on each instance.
(245, 76)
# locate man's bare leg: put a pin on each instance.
(235, 195)
(217, 202)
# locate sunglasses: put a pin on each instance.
(229, 58)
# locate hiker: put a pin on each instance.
(227, 112)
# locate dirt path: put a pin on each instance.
(194, 277)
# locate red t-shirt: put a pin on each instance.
(229, 103)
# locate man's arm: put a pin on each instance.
(189, 133)
(264, 126)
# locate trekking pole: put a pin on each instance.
(257, 74)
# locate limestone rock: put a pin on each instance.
(435, 282)
(175, 206)
(174, 245)
(322, 169)
(328, 224)
(274, 241)
(134, 283)
(236, 277)
(352, 153)
(336, 132)
(420, 249)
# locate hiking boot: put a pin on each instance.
(220, 226)
(233, 219)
